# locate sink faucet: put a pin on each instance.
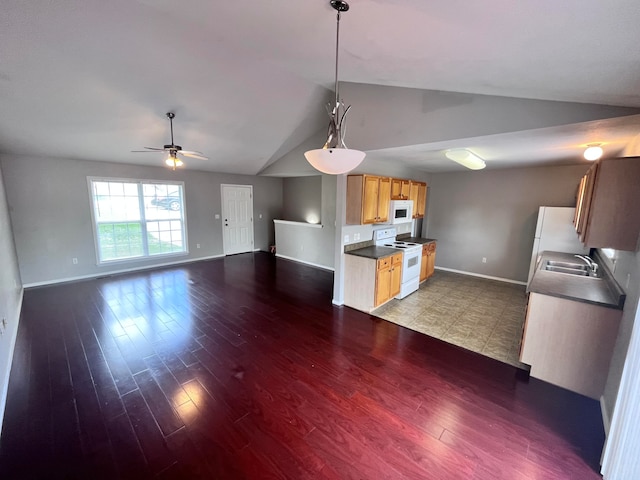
(592, 265)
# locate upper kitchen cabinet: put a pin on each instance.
(367, 199)
(607, 213)
(400, 189)
(418, 193)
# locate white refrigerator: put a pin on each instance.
(555, 231)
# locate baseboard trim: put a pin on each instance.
(606, 421)
(311, 264)
(117, 272)
(12, 344)
(488, 277)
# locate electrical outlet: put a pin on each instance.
(197, 245)
(346, 239)
(217, 216)
(74, 260)
(260, 216)
(484, 259)
(356, 237)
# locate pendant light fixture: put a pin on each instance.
(335, 158)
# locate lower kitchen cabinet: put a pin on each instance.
(569, 343)
(427, 266)
(371, 282)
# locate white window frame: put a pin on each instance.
(143, 221)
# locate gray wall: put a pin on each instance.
(492, 214)
(627, 274)
(302, 199)
(315, 246)
(50, 212)
(10, 295)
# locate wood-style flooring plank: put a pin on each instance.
(242, 368)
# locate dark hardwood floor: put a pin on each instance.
(242, 368)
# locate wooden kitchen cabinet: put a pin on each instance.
(400, 189)
(368, 199)
(569, 343)
(388, 278)
(370, 283)
(418, 193)
(427, 265)
(607, 215)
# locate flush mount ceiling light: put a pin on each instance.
(593, 152)
(335, 158)
(466, 158)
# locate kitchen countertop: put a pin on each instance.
(418, 240)
(373, 252)
(603, 291)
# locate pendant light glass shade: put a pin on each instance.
(335, 158)
(466, 158)
(334, 161)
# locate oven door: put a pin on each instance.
(411, 265)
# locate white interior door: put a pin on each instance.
(237, 218)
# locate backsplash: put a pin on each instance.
(355, 246)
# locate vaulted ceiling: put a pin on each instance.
(248, 80)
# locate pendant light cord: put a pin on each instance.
(337, 44)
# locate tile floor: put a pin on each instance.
(485, 316)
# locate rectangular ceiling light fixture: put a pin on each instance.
(466, 158)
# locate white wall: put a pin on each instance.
(50, 211)
(492, 214)
(627, 274)
(10, 296)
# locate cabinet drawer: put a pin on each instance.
(384, 263)
(396, 259)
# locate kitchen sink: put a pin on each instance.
(569, 268)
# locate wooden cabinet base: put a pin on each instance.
(370, 283)
(569, 343)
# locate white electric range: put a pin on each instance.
(411, 257)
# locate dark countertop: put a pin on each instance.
(603, 291)
(418, 240)
(373, 252)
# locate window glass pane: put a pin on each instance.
(119, 240)
(124, 230)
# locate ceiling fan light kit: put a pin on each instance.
(173, 150)
(466, 158)
(334, 158)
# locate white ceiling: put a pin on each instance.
(248, 81)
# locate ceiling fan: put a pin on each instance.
(173, 150)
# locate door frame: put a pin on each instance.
(222, 211)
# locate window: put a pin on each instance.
(137, 219)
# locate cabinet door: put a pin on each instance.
(370, 199)
(421, 204)
(431, 260)
(384, 196)
(395, 279)
(383, 286)
(423, 264)
(413, 195)
(400, 189)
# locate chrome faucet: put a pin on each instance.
(592, 265)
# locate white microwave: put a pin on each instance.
(400, 211)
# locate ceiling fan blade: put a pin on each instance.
(155, 150)
(190, 154)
